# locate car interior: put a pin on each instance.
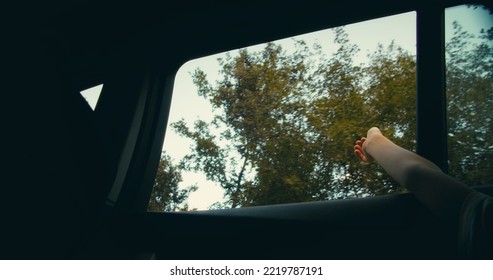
(76, 182)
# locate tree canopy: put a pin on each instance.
(285, 122)
(166, 194)
(469, 82)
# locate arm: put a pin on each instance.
(442, 194)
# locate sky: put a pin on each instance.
(367, 35)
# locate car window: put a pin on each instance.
(276, 123)
(91, 95)
(469, 89)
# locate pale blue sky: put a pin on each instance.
(188, 105)
(367, 35)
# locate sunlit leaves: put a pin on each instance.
(166, 195)
(285, 123)
(470, 103)
(290, 119)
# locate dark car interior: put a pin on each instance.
(76, 182)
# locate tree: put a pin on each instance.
(257, 95)
(352, 98)
(469, 81)
(287, 122)
(166, 195)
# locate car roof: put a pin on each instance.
(185, 29)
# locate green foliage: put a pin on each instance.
(470, 103)
(285, 123)
(166, 195)
(289, 122)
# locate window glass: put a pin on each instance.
(91, 95)
(469, 83)
(276, 123)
